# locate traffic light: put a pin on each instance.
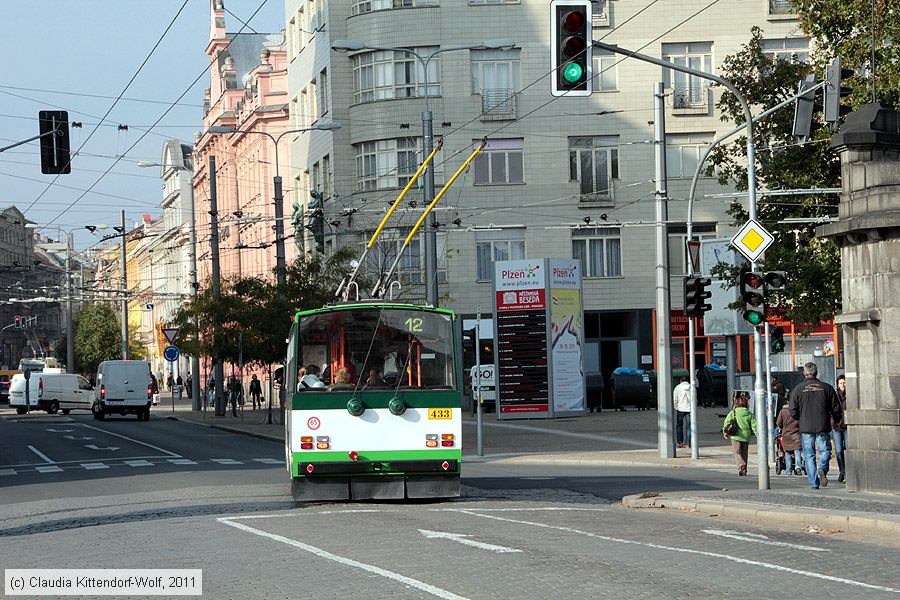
(776, 339)
(752, 292)
(570, 47)
(834, 91)
(694, 294)
(803, 109)
(18, 322)
(54, 128)
(776, 281)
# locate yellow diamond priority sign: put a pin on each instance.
(752, 240)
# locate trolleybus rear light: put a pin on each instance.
(446, 436)
(431, 443)
(431, 436)
(323, 438)
(310, 468)
(306, 438)
(306, 446)
(444, 465)
(323, 445)
(354, 455)
(447, 443)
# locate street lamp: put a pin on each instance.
(195, 285)
(280, 266)
(431, 283)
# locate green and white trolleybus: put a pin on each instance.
(382, 419)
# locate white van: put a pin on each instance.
(123, 387)
(51, 392)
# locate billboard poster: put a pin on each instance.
(522, 374)
(567, 337)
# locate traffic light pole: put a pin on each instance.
(124, 294)
(763, 455)
(770, 417)
(215, 284)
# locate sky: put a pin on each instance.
(79, 56)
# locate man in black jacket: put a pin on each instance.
(816, 406)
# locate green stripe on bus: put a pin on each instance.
(376, 399)
(317, 456)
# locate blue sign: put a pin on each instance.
(171, 353)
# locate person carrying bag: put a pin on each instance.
(739, 425)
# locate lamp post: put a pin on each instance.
(186, 175)
(280, 266)
(431, 283)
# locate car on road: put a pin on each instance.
(52, 392)
(124, 387)
(5, 379)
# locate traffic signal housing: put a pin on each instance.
(775, 281)
(776, 339)
(570, 47)
(753, 294)
(18, 322)
(53, 126)
(803, 109)
(834, 91)
(695, 293)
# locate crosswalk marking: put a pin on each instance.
(182, 461)
(93, 466)
(7, 472)
(48, 469)
(269, 461)
(227, 461)
(139, 463)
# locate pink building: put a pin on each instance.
(248, 91)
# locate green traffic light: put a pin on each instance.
(753, 317)
(778, 346)
(573, 72)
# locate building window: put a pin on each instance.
(594, 163)
(292, 32)
(600, 13)
(599, 249)
(295, 113)
(411, 268)
(323, 92)
(321, 11)
(304, 109)
(605, 79)
(789, 49)
(496, 70)
(316, 181)
(477, 2)
(781, 7)
(678, 244)
(312, 23)
(301, 34)
(683, 152)
(491, 246)
(313, 102)
(363, 6)
(386, 74)
(387, 164)
(500, 162)
(689, 91)
(326, 177)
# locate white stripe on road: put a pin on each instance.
(136, 441)
(48, 469)
(582, 436)
(415, 583)
(226, 461)
(759, 538)
(7, 472)
(182, 461)
(269, 461)
(463, 539)
(41, 454)
(93, 466)
(736, 559)
(138, 463)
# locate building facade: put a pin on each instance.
(559, 178)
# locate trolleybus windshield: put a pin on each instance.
(375, 349)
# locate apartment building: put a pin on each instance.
(559, 178)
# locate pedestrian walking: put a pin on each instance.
(154, 389)
(839, 432)
(170, 381)
(739, 425)
(211, 391)
(682, 398)
(815, 405)
(179, 388)
(188, 384)
(778, 388)
(256, 391)
(789, 434)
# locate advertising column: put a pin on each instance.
(521, 351)
(566, 338)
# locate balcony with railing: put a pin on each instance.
(498, 104)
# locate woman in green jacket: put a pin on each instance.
(746, 426)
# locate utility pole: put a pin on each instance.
(431, 282)
(666, 441)
(196, 399)
(124, 295)
(218, 369)
(70, 329)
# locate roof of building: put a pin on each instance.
(244, 50)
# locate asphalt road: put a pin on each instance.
(219, 502)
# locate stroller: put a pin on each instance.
(780, 457)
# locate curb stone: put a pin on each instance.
(237, 430)
(840, 521)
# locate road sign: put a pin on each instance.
(752, 240)
(170, 334)
(150, 306)
(693, 248)
(171, 353)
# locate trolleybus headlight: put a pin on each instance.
(397, 406)
(356, 407)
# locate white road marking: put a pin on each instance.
(269, 461)
(60, 430)
(93, 447)
(226, 461)
(7, 472)
(72, 437)
(419, 585)
(382, 510)
(138, 463)
(182, 461)
(582, 436)
(462, 539)
(94, 466)
(759, 538)
(48, 469)
(74, 462)
(41, 454)
(736, 559)
(172, 454)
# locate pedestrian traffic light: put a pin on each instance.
(570, 47)
(776, 338)
(834, 91)
(752, 292)
(53, 126)
(694, 294)
(803, 109)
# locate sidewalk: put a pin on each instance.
(830, 509)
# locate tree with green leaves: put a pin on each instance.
(812, 263)
(97, 336)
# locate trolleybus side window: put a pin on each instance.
(292, 360)
(376, 348)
